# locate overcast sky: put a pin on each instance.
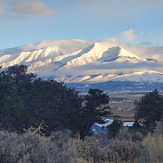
(130, 21)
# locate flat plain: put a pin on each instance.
(122, 105)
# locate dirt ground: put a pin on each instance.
(122, 105)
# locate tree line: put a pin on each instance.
(26, 100)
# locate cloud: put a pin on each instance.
(141, 3)
(146, 50)
(31, 7)
(24, 7)
(128, 35)
(1, 11)
(126, 10)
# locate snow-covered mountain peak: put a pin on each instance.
(77, 61)
(99, 52)
(66, 46)
(50, 50)
(119, 54)
(89, 54)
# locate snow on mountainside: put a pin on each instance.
(66, 46)
(78, 61)
(120, 55)
(43, 52)
(88, 55)
(143, 76)
(99, 52)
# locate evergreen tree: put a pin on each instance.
(26, 101)
(113, 129)
(95, 109)
(149, 109)
(14, 83)
(16, 74)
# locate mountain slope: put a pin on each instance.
(78, 61)
(120, 54)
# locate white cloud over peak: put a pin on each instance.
(128, 35)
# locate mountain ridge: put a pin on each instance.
(79, 61)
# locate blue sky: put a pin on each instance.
(129, 21)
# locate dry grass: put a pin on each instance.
(154, 145)
(34, 147)
(30, 147)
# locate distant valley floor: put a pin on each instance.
(122, 95)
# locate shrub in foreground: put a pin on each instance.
(154, 145)
(34, 147)
(119, 151)
(31, 147)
